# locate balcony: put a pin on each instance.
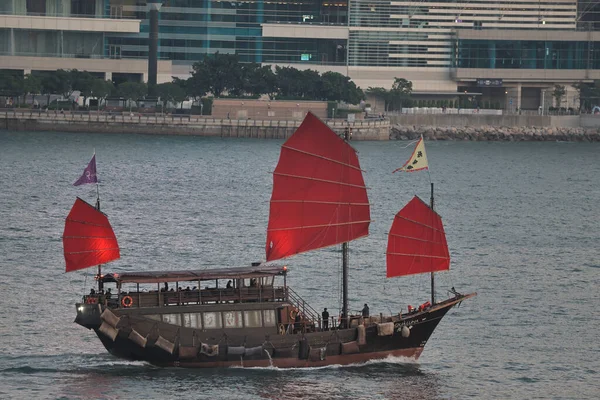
(81, 24)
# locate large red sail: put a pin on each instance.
(88, 238)
(417, 242)
(319, 196)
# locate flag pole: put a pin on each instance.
(100, 285)
(431, 201)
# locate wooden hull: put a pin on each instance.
(166, 345)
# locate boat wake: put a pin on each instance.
(390, 360)
(41, 365)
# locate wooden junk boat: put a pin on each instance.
(248, 316)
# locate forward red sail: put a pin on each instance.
(88, 238)
(417, 242)
(319, 196)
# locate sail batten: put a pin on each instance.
(321, 202)
(419, 223)
(416, 255)
(319, 196)
(88, 238)
(323, 158)
(321, 180)
(413, 238)
(319, 226)
(417, 241)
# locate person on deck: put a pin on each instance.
(365, 311)
(297, 323)
(325, 316)
(229, 284)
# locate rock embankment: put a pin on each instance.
(493, 133)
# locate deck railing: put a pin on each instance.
(304, 308)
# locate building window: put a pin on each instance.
(192, 321)
(173, 319)
(269, 317)
(212, 320)
(232, 319)
(252, 319)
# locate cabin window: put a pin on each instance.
(211, 320)
(155, 317)
(192, 321)
(232, 319)
(174, 319)
(269, 317)
(252, 319)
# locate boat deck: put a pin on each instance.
(184, 297)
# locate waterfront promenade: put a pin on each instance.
(174, 124)
(403, 127)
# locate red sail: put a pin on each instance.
(88, 238)
(319, 196)
(417, 242)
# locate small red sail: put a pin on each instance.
(319, 196)
(88, 238)
(417, 242)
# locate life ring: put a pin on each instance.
(126, 301)
(293, 314)
(281, 329)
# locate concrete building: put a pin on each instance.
(38, 35)
(508, 51)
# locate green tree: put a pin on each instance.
(295, 84)
(170, 92)
(589, 94)
(400, 93)
(11, 84)
(558, 93)
(257, 80)
(132, 91)
(51, 84)
(262, 81)
(338, 87)
(83, 81)
(101, 89)
(310, 85)
(198, 84)
(68, 79)
(289, 82)
(219, 73)
(32, 85)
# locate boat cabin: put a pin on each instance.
(180, 288)
(227, 298)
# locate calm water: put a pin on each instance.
(523, 226)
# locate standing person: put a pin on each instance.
(365, 311)
(325, 316)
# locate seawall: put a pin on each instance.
(180, 125)
(495, 127)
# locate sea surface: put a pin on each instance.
(523, 227)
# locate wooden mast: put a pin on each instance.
(345, 264)
(433, 273)
(100, 283)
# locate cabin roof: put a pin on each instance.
(194, 275)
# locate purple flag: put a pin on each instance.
(89, 174)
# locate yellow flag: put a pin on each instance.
(418, 159)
